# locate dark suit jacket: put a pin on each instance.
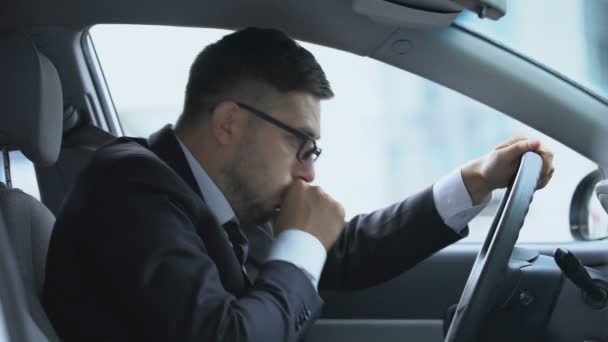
(136, 255)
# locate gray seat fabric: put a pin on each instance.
(29, 224)
(31, 117)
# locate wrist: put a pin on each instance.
(473, 180)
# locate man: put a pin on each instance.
(212, 232)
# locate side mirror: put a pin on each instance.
(601, 191)
(589, 208)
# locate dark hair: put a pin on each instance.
(255, 54)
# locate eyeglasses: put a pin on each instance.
(308, 146)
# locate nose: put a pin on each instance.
(304, 170)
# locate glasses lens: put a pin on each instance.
(309, 150)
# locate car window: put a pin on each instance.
(387, 133)
(23, 174)
(581, 23)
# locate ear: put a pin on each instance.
(226, 123)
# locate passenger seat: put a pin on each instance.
(31, 118)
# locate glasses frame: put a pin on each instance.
(312, 153)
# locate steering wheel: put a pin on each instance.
(489, 267)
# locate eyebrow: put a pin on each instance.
(301, 130)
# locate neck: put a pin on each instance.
(212, 159)
(204, 154)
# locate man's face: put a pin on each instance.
(265, 161)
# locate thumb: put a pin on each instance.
(516, 150)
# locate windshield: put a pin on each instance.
(568, 36)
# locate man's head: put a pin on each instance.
(251, 157)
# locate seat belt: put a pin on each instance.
(87, 136)
(79, 132)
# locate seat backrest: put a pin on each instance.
(31, 118)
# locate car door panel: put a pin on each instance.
(412, 306)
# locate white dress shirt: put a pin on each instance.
(306, 251)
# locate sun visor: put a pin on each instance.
(427, 14)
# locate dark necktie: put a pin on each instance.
(238, 240)
(260, 239)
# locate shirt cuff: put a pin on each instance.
(454, 203)
(301, 249)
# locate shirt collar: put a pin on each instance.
(213, 196)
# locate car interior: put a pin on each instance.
(57, 109)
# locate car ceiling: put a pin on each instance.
(451, 56)
(327, 22)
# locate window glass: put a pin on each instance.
(568, 36)
(23, 174)
(386, 134)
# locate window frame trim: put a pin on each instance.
(107, 117)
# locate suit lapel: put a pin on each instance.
(165, 145)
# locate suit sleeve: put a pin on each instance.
(156, 273)
(377, 247)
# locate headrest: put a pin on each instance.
(31, 101)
